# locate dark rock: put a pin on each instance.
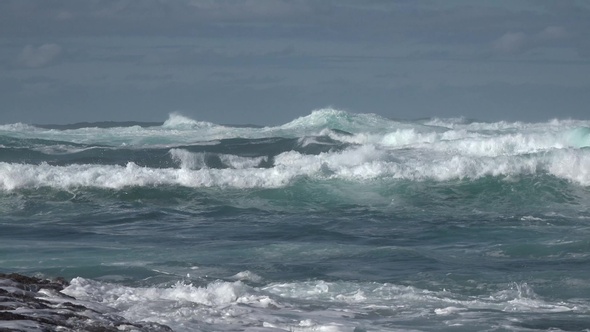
(23, 307)
(5, 315)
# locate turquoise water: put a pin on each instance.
(332, 222)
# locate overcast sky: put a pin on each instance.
(269, 61)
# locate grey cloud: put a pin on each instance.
(552, 33)
(249, 9)
(147, 77)
(38, 80)
(344, 19)
(237, 57)
(517, 42)
(390, 22)
(510, 42)
(155, 17)
(43, 55)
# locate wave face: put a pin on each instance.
(334, 221)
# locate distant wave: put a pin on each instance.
(325, 145)
(100, 124)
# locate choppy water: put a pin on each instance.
(332, 222)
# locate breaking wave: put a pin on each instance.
(323, 146)
(338, 306)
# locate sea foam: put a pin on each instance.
(356, 147)
(338, 305)
(360, 163)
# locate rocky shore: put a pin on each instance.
(33, 304)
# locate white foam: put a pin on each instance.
(177, 130)
(573, 165)
(461, 142)
(17, 127)
(329, 118)
(60, 149)
(197, 160)
(183, 307)
(452, 135)
(368, 162)
(493, 139)
(519, 297)
(448, 310)
(309, 140)
(308, 325)
(358, 163)
(383, 149)
(531, 218)
(188, 160)
(338, 305)
(13, 176)
(238, 162)
(406, 137)
(247, 276)
(506, 126)
(178, 121)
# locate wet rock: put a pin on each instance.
(34, 304)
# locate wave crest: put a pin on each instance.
(178, 121)
(359, 164)
(329, 118)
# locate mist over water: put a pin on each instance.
(332, 222)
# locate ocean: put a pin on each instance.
(334, 221)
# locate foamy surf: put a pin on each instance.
(358, 164)
(337, 306)
(341, 125)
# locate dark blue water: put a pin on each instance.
(332, 222)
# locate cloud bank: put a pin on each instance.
(268, 61)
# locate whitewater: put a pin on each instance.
(335, 221)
